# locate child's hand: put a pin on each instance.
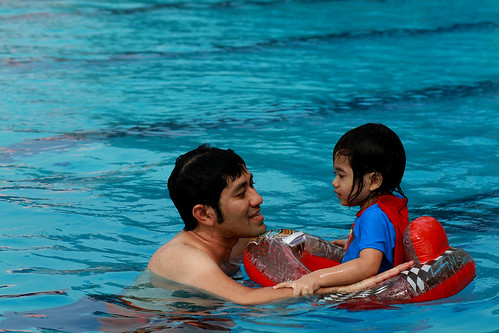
(340, 242)
(304, 286)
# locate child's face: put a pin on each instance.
(343, 183)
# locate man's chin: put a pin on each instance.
(258, 230)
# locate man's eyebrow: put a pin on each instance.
(242, 185)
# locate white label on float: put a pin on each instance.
(294, 239)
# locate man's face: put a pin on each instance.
(240, 206)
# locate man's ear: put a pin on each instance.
(204, 214)
(376, 181)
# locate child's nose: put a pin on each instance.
(335, 182)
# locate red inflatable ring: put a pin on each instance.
(439, 271)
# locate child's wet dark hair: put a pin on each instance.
(373, 148)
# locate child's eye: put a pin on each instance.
(340, 175)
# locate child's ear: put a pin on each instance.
(376, 181)
(204, 214)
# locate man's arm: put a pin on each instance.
(238, 249)
(189, 266)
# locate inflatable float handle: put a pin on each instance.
(294, 239)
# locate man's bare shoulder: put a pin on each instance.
(179, 259)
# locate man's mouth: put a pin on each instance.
(257, 216)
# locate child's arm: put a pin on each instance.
(369, 282)
(350, 272)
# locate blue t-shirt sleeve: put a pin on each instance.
(373, 230)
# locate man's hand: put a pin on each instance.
(304, 286)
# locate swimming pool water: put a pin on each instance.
(98, 98)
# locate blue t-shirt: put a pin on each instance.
(373, 230)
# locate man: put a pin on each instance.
(214, 194)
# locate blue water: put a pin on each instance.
(98, 98)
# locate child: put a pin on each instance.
(369, 162)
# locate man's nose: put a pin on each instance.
(256, 199)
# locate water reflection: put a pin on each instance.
(142, 307)
(152, 303)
